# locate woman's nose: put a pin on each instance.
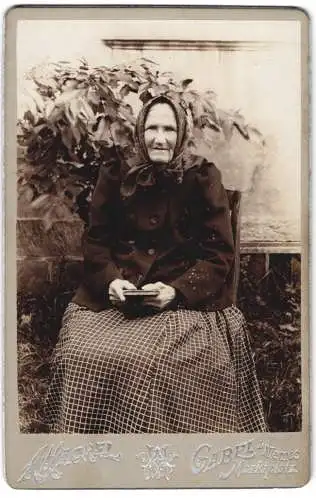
(160, 137)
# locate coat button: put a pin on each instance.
(153, 220)
(151, 251)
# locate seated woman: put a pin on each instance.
(179, 359)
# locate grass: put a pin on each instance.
(272, 308)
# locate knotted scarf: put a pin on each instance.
(141, 170)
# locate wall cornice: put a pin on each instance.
(200, 45)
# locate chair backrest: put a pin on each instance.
(234, 198)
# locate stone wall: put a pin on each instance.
(49, 264)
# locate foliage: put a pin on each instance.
(272, 307)
(36, 322)
(76, 118)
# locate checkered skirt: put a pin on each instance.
(176, 371)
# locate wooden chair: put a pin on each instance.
(234, 198)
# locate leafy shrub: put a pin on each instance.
(76, 118)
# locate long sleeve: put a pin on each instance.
(215, 247)
(99, 267)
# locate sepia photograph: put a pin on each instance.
(159, 230)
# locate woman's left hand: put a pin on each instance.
(166, 295)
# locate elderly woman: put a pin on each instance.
(176, 359)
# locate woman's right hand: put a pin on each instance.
(116, 289)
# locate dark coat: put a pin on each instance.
(179, 234)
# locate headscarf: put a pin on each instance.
(142, 171)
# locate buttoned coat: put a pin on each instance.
(176, 233)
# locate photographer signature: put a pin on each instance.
(48, 462)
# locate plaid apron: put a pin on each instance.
(175, 371)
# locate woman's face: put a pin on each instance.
(160, 133)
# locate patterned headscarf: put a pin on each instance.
(142, 171)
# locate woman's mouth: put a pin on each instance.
(160, 154)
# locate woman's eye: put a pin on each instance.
(155, 128)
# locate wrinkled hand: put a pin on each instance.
(166, 295)
(116, 288)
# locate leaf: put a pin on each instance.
(255, 135)
(72, 191)
(227, 127)
(239, 123)
(42, 201)
(103, 132)
(210, 108)
(255, 131)
(162, 89)
(47, 221)
(241, 129)
(69, 116)
(68, 95)
(157, 90)
(49, 108)
(145, 96)
(36, 98)
(84, 62)
(210, 123)
(76, 134)
(133, 86)
(61, 210)
(167, 74)
(149, 61)
(126, 112)
(119, 135)
(124, 91)
(93, 96)
(66, 137)
(143, 87)
(75, 164)
(198, 133)
(70, 84)
(74, 109)
(288, 327)
(26, 193)
(197, 111)
(123, 76)
(28, 115)
(210, 96)
(185, 83)
(86, 111)
(113, 83)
